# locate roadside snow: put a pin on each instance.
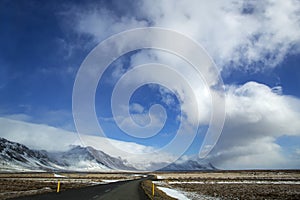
(159, 177)
(160, 183)
(111, 181)
(235, 182)
(196, 196)
(59, 176)
(173, 193)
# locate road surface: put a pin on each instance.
(122, 190)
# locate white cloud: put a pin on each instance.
(135, 107)
(20, 117)
(231, 36)
(149, 124)
(235, 33)
(56, 118)
(119, 70)
(256, 154)
(100, 22)
(256, 117)
(36, 136)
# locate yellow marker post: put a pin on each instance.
(58, 186)
(152, 189)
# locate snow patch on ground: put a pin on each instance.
(173, 193)
(235, 182)
(159, 177)
(111, 181)
(160, 183)
(59, 176)
(196, 196)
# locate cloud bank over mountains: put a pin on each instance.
(51, 139)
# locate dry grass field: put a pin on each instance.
(21, 184)
(235, 184)
(194, 185)
(158, 194)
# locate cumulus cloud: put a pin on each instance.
(235, 33)
(256, 118)
(99, 22)
(247, 34)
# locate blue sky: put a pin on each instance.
(43, 44)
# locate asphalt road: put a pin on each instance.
(122, 190)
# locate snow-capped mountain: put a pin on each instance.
(51, 139)
(189, 165)
(18, 157)
(15, 156)
(87, 158)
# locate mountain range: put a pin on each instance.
(18, 157)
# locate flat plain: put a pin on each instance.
(249, 184)
(14, 185)
(267, 184)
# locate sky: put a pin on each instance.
(254, 45)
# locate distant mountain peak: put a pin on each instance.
(190, 165)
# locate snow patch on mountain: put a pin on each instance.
(17, 157)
